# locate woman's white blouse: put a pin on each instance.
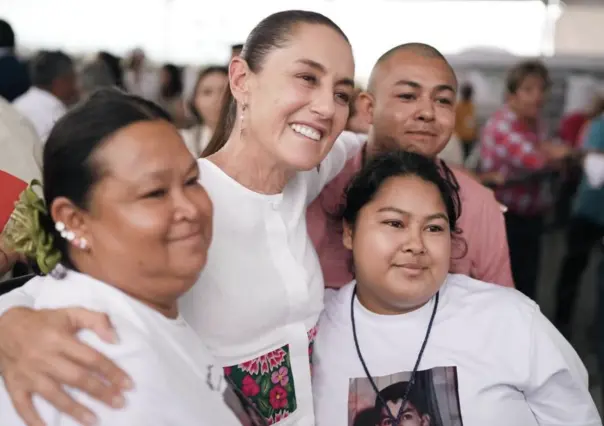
(258, 300)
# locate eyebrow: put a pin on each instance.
(410, 410)
(416, 85)
(403, 212)
(319, 67)
(158, 174)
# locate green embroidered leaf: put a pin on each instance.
(288, 388)
(265, 408)
(265, 385)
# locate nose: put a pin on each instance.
(324, 103)
(413, 241)
(425, 109)
(185, 208)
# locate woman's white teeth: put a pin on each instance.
(309, 132)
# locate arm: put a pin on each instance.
(493, 261)
(7, 259)
(157, 400)
(39, 353)
(345, 147)
(145, 405)
(557, 391)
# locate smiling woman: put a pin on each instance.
(259, 297)
(126, 217)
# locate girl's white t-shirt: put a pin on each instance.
(176, 380)
(491, 359)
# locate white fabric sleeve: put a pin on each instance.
(148, 404)
(138, 361)
(557, 391)
(346, 146)
(593, 166)
(24, 296)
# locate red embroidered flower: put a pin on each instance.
(249, 387)
(272, 360)
(264, 363)
(280, 415)
(251, 367)
(227, 371)
(312, 334)
(278, 397)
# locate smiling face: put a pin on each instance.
(149, 220)
(298, 102)
(412, 103)
(401, 244)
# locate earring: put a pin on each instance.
(81, 243)
(70, 236)
(242, 116)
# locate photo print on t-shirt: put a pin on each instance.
(432, 401)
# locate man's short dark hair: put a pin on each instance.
(420, 49)
(7, 35)
(47, 66)
(521, 71)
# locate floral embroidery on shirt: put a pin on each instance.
(268, 383)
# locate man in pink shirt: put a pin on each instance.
(411, 101)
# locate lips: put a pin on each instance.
(411, 269)
(411, 266)
(187, 237)
(422, 133)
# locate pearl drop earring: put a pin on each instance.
(81, 243)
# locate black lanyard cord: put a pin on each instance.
(394, 419)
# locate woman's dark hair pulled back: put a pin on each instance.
(69, 167)
(273, 32)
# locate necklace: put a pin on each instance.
(394, 419)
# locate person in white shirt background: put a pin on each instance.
(259, 297)
(140, 79)
(127, 217)
(478, 354)
(205, 105)
(54, 89)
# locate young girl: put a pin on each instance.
(409, 344)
